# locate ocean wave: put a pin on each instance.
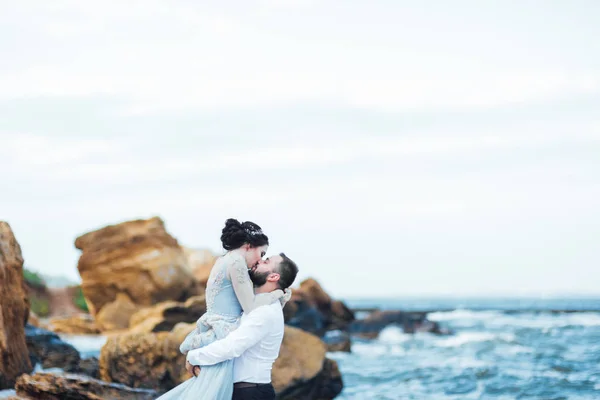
(464, 318)
(518, 349)
(375, 350)
(393, 335)
(463, 338)
(584, 319)
(463, 314)
(546, 320)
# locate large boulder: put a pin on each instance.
(313, 310)
(145, 360)
(164, 316)
(14, 310)
(130, 266)
(49, 386)
(302, 371)
(48, 350)
(200, 263)
(152, 360)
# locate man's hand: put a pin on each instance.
(192, 369)
(189, 367)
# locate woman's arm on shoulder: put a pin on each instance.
(244, 289)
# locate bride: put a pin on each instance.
(229, 292)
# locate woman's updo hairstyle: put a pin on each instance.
(236, 234)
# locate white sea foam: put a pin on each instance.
(38, 368)
(584, 319)
(5, 394)
(370, 350)
(393, 335)
(85, 343)
(547, 320)
(524, 320)
(518, 349)
(472, 337)
(455, 362)
(462, 314)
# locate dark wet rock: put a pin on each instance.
(90, 367)
(50, 351)
(326, 385)
(337, 341)
(313, 310)
(410, 322)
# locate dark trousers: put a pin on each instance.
(259, 392)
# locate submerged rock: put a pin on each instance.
(410, 322)
(337, 341)
(50, 351)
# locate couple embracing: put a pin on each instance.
(235, 343)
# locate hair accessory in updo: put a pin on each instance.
(235, 234)
(253, 232)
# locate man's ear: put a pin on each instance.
(273, 277)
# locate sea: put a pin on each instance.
(499, 349)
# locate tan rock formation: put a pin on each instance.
(164, 316)
(82, 324)
(152, 360)
(148, 360)
(14, 310)
(200, 263)
(130, 266)
(49, 386)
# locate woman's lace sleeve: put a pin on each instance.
(244, 289)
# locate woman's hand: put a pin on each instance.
(287, 295)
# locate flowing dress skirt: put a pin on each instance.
(215, 382)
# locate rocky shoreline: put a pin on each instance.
(144, 292)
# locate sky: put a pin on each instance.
(391, 148)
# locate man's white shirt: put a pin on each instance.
(254, 344)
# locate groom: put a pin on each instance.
(255, 344)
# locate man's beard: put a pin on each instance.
(259, 278)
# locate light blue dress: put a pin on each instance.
(228, 280)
